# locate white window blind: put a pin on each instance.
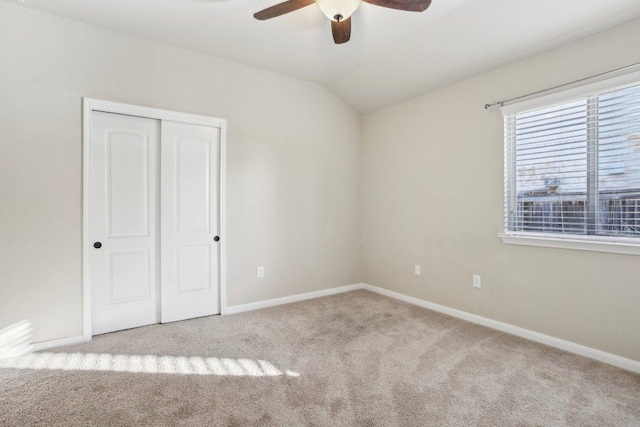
(572, 167)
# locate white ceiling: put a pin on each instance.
(392, 55)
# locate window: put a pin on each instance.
(572, 168)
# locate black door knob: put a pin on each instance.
(97, 245)
(216, 238)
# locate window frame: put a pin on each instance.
(589, 242)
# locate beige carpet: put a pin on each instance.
(351, 359)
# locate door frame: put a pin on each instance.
(91, 105)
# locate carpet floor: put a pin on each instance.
(356, 358)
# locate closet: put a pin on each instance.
(152, 232)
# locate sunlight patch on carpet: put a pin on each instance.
(150, 364)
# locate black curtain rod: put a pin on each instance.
(501, 103)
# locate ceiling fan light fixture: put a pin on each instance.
(338, 10)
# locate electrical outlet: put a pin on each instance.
(477, 281)
(417, 270)
(260, 272)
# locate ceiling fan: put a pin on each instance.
(340, 11)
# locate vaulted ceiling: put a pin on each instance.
(392, 55)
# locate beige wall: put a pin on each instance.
(293, 160)
(432, 179)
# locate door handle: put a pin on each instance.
(97, 245)
(215, 239)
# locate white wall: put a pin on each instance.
(432, 179)
(293, 161)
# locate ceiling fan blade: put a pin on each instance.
(408, 5)
(282, 8)
(341, 31)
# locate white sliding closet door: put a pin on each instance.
(190, 182)
(122, 221)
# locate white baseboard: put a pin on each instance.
(571, 347)
(62, 342)
(293, 298)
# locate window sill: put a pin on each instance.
(590, 243)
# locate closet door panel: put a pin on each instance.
(190, 169)
(127, 184)
(122, 221)
(193, 166)
(193, 267)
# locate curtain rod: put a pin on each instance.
(501, 103)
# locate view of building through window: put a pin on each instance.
(576, 166)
